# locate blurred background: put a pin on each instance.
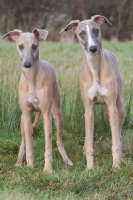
(53, 15)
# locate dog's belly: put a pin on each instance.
(32, 103)
(96, 93)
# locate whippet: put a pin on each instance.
(100, 82)
(38, 91)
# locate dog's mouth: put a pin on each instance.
(27, 64)
(93, 53)
(92, 49)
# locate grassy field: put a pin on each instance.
(102, 183)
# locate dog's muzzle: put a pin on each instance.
(93, 49)
(27, 64)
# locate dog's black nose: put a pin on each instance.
(27, 64)
(93, 49)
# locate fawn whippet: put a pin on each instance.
(38, 91)
(100, 82)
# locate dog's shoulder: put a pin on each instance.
(49, 69)
(48, 66)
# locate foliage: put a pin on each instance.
(55, 14)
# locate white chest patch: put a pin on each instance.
(32, 103)
(97, 91)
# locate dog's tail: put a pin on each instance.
(36, 119)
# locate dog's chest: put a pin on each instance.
(32, 102)
(96, 93)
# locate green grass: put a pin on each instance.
(102, 183)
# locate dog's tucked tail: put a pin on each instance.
(36, 119)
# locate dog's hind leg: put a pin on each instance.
(106, 115)
(58, 120)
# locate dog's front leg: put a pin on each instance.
(89, 128)
(28, 137)
(48, 142)
(22, 146)
(116, 146)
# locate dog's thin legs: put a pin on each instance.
(121, 116)
(116, 144)
(58, 119)
(48, 142)
(120, 107)
(106, 114)
(89, 128)
(22, 146)
(28, 138)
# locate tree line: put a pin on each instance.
(55, 14)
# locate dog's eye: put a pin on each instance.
(34, 47)
(82, 34)
(96, 31)
(21, 46)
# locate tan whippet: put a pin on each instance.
(100, 82)
(38, 91)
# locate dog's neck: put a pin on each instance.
(93, 61)
(31, 73)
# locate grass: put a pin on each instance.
(102, 183)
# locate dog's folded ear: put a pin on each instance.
(100, 20)
(40, 33)
(71, 26)
(13, 34)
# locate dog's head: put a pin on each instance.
(88, 32)
(27, 44)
